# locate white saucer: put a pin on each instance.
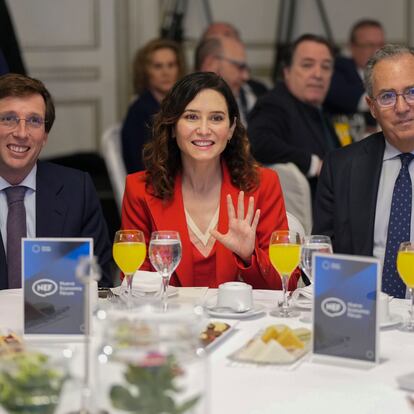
(171, 290)
(256, 310)
(393, 320)
(302, 304)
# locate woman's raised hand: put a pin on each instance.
(241, 236)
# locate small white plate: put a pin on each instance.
(393, 320)
(256, 310)
(171, 291)
(222, 337)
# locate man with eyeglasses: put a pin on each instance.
(226, 56)
(39, 199)
(346, 94)
(364, 199)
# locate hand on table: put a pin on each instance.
(241, 236)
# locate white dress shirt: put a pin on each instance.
(29, 204)
(391, 166)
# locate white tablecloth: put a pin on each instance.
(307, 388)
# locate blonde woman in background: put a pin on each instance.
(156, 68)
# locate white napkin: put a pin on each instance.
(303, 296)
(145, 281)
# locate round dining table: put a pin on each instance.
(303, 387)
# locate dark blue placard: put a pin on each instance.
(53, 296)
(345, 323)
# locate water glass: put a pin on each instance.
(165, 255)
(313, 244)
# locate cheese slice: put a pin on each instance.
(274, 353)
(250, 352)
(289, 340)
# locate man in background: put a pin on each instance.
(40, 199)
(288, 124)
(246, 90)
(364, 199)
(346, 94)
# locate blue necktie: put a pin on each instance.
(399, 226)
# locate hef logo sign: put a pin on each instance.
(44, 287)
(333, 307)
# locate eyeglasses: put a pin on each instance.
(389, 98)
(242, 66)
(12, 121)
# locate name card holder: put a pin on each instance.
(345, 310)
(53, 296)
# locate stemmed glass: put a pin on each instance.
(165, 255)
(405, 267)
(129, 253)
(313, 244)
(284, 253)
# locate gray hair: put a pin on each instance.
(207, 47)
(388, 51)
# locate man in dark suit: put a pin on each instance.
(58, 201)
(360, 184)
(226, 56)
(287, 124)
(346, 94)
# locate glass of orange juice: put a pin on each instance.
(284, 254)
(405, 267)
(129, 252)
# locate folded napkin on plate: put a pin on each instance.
(303, 296)
(145, 281)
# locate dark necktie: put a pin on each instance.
(399, 226)
(243, 104)
(16, 229)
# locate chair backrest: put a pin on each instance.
(295, 225)
(296, 192)
(112, 154)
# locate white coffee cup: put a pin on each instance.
(384, 308)
(235, 295)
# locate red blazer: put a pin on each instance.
(143, 211)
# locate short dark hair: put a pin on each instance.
(162, 157)
(307, 37)
(362, 24)
(16, 85)
(207, 47)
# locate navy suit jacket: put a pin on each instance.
(67, 206)
(346, 90)
(346, 196)
(136, 130)
(346, 87)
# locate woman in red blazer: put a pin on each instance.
(202, 181)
